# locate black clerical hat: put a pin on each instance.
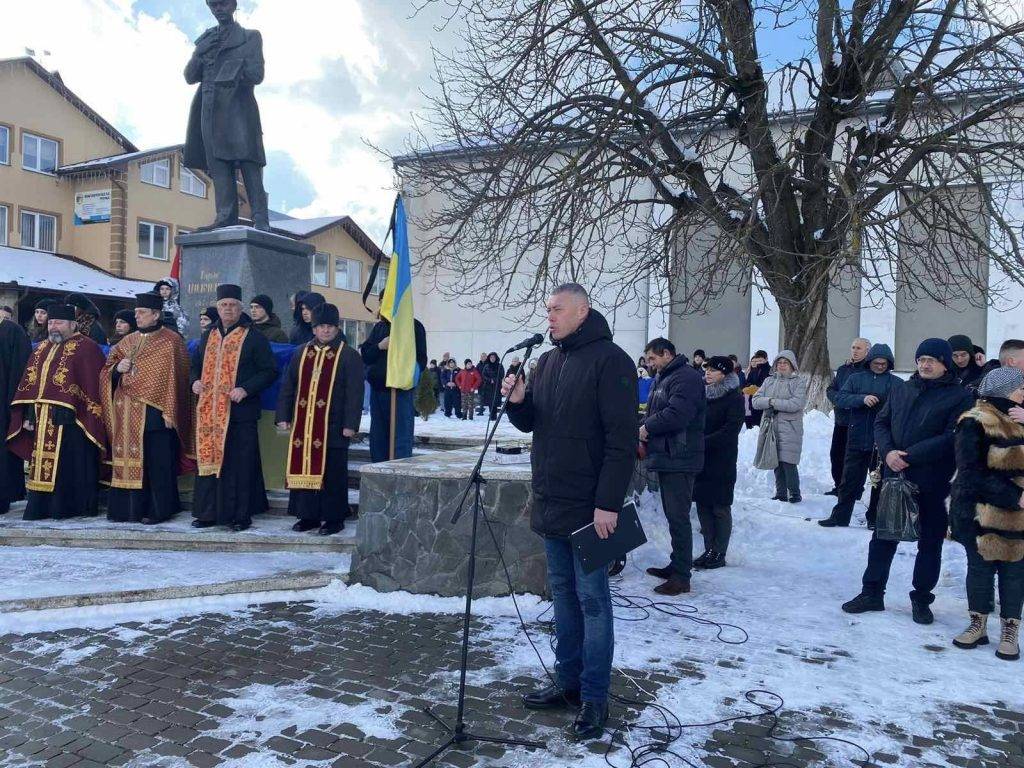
(325, 314)
(149, 301)
(60, 312)
(229, 291)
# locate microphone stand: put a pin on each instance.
(457, 733)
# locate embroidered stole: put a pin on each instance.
(307, 451)
(220, 369)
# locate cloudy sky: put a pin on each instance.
(340, 73)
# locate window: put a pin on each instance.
(153, 240)
(158, 172)
(318, 269)
(38, 231)
(5, 219)
(348, 274)
(191, 184)
(382, 280)
(38, 154)
(5, 145)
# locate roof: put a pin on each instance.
(113, 161)
(54, 80)
(52, 272)
(306, 228)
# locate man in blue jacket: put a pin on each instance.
(914, 434)
(862, 396)
(840, 432)
(674, 434)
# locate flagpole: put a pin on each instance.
(392, 430)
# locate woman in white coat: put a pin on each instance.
(784, 394)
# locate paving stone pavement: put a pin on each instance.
(166, 694)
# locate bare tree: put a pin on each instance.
(569, 131)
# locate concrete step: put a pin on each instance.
(286, 582)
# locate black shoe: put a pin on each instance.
(239, 527)
(203, 523)
(149, 521)
(833, 492)
(833, 522)
(922, 613)
(779, 497)
(552, 697)
(305, 525)
(329, 529)
(661, 573)
(590, 721)
(700, 561)
(617, 567)
(716, 560)
(795, 499)
(863, 603)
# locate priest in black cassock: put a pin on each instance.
(56, 421)
(231, 366)
(321, 402)
(15, 349)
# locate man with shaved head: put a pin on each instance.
(840, 432)
(581, 406)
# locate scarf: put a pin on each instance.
(727, 385)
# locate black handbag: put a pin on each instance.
(898, 513)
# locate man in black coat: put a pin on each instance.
(965, 368)
(316, 471)
(375, 357)
(231, 367)
(224, 129)
(914, 435)
(674, 434)
(863, 396)
(581, 407)
(492, 373)
(837, 453)
(713, 489)
(15, 350)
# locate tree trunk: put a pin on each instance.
(805, 332)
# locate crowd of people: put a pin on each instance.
(954, 429)
(133, 411)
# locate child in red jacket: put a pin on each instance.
(468, 380)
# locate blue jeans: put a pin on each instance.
(584, 629)
(380, 417)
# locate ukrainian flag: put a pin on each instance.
(396, 307)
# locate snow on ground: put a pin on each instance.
(438, 426)
(29, 572)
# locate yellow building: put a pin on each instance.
(76, 192)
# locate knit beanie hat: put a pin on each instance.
(961, 343)
(720, 363)
(1001, 382)
(264, 301)
(937, 348)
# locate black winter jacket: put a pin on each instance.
(675, 419)
(376, 359)
(257, 368)
(857, 387)
(919, 417)
(843, 373)
(722, 426)
(581, 407)
(346, 396)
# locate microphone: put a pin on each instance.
(533, 341)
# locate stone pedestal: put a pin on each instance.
(405, 540)
(259, 262)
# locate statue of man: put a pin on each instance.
(224, 130)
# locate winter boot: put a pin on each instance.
(715, 560)
(661, 573)
(974, 635)
(863, 603)
(779, 496)
(833, 492)
(921, 612)
(795, 498)
(701, 561)
(674, 586)
(1009, 643)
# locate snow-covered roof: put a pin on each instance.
(303, 228)
(50, 272)
(102, 163)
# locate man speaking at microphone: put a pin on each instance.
(581, 407)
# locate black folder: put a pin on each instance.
(595, 552)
